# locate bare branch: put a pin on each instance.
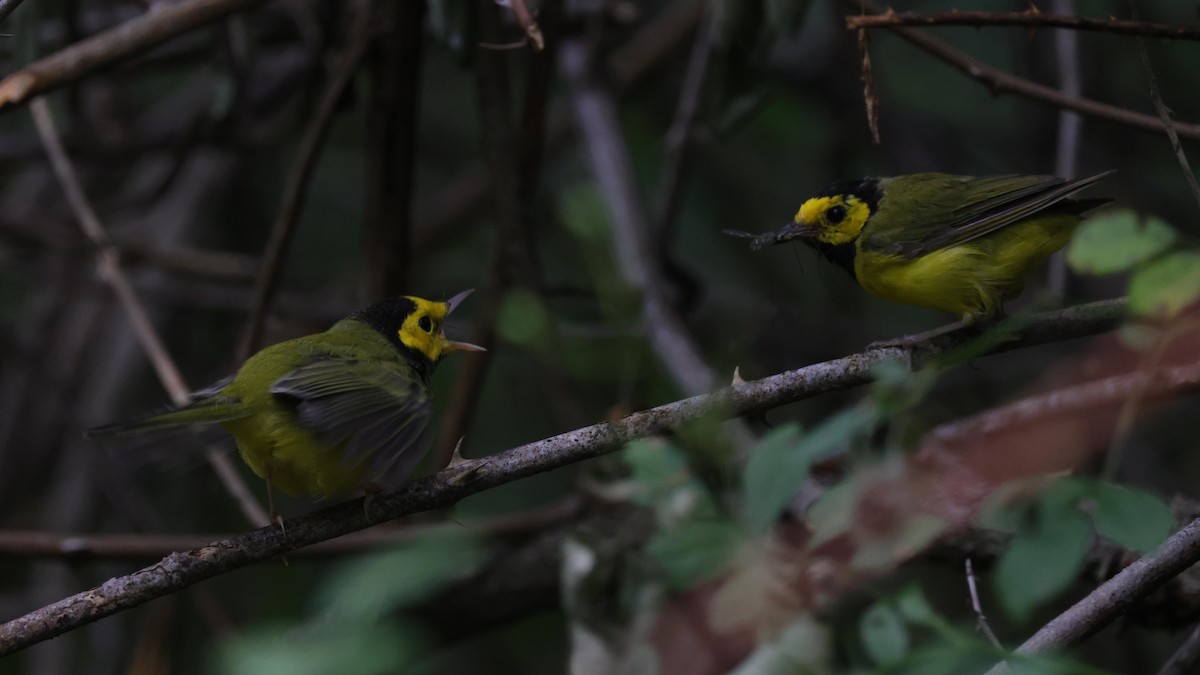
(868, 79)
(180, 570)
(977, 606)
(111, 272)
(299, 177)
(999, 81)
(528, 24)
(1185, 658)
(1164, 114)
(1115, 596)
(676, 165)
(79, 547)
(1030, 18)
(596, 112)
(120, 42)
(1148, 384)
(7, 7)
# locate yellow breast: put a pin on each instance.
(290, 458)
(968, 279)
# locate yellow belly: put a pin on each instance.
(968, 279)
(290, 458)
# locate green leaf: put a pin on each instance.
(694, 550)
(914, 534)
(884, 634)
(1116, 241)
(833, 513)
(523, 319)
(780, 463)
(1042, 562)
(803, 647)
(772, 476)
(1134, 519)
(321, 650)
(372, 587)
(914, 607)
(583, 212)
(1139, 336)
(1165, 286)
(657, 466)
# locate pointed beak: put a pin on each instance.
(451, 345)
(453, 302)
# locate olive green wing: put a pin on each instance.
(941, 211)
(377, 412)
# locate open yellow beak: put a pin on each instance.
(452, 345)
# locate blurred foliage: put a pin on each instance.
(798, 554)
(356, 625)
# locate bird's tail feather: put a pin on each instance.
(204, 411)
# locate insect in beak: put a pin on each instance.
(781, 236)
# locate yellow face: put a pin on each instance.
(834, 220)
(422, 329)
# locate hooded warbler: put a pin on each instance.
(960, 244)
(329, 413)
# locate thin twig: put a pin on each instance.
(1115, 596)
(677, 164)
(999, 81)
(109, 267)
(120, 42)
(977, 606)
(462, 197)
(181, 570)
(296, 188)
(1185, 658)
(528, 24)
(1070, 124)
(81, 547)
(501, 152)
(7, 7)
(868, 79)
(1107, 391)
(513, 165)
(1033, 19)
(1164, 114)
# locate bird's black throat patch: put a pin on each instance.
(841, 255)
(386, 317)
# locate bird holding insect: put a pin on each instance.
(959, 244)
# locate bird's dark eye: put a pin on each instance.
(835, 214)
(426, 324)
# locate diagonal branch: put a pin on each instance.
(999, 81)
(7, 7)
(1115, 596)
(180, 570)
(596, 112)
(120, 42)
(1031, 18)
(108, 263)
